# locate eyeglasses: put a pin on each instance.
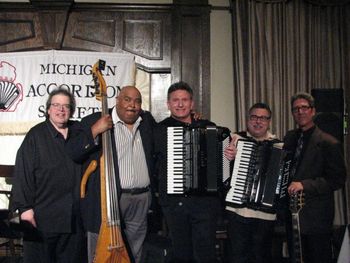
(58, 106)
(302, 108)
(261, 118)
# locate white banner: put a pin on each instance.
(26, 79)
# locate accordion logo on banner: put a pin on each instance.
(11, 92)
(27, 78)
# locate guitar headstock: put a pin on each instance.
(99, 82)
(297, 202)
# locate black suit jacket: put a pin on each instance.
(321, 171)
(83, 149)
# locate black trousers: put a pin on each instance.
(192, 228)
(56, 248)
(316, 248)
(250, 239)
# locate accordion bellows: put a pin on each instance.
(9, 93)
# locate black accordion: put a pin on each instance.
(260, 175)
(195, 159)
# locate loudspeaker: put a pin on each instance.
(329, 104)
(328, 100)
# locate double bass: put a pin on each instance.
(110, 246)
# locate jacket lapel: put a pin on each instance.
(308, 156)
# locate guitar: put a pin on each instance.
(297, 202)
(110, 246)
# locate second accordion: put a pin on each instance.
(260, 175)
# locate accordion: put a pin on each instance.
(195, 159)
(260, 175)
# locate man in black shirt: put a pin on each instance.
(191, 219)
(46, 186)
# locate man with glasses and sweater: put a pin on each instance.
(250, 231)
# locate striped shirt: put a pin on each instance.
(133, 171)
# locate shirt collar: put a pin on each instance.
(308, 132)
(53, 131)
(269, 136)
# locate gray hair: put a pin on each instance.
(305, 96)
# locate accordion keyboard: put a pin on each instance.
(195, 159)
(239, 181)
(175, 162)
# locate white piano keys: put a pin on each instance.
(245, 150)
(175, 163)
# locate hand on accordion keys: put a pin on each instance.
(231, 150)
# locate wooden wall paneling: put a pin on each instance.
(143, 33)
(191, 52)
(52, 24)
(53, 15)
(39, 25)
(95, 31)
(148, 36)
(20, 30)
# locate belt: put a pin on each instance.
(135, 191)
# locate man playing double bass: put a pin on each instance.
(132, 147)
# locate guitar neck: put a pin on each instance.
(298, 256)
